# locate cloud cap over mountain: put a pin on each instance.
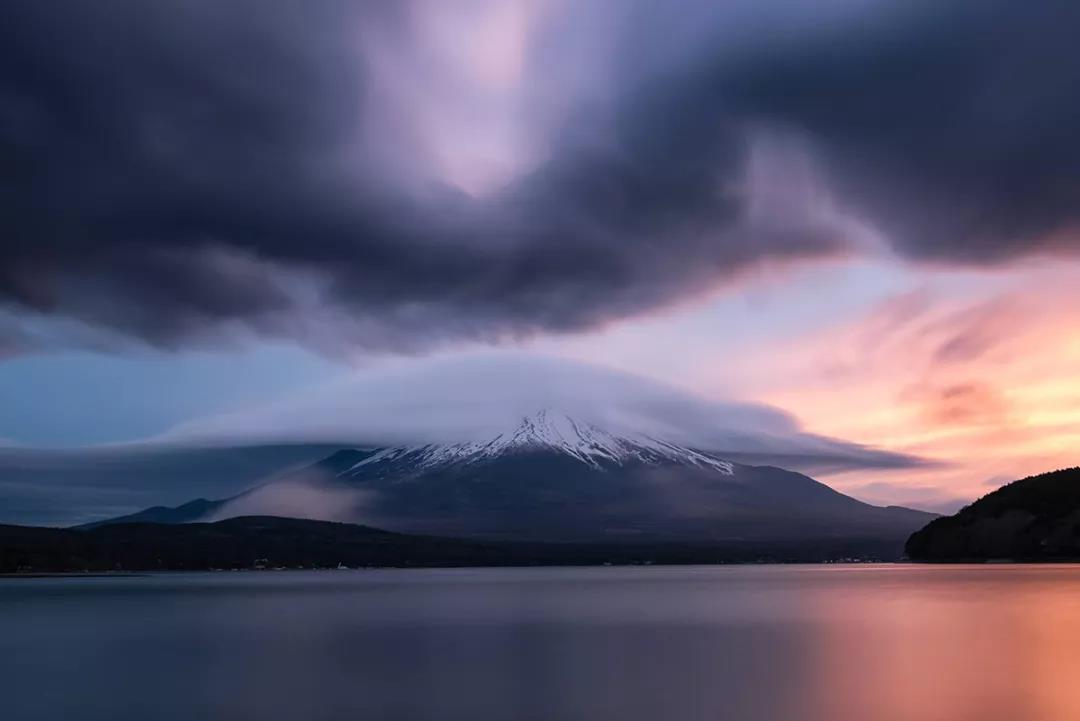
(478, 397)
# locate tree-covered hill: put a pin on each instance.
(1034, 519)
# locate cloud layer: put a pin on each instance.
(982, 379)
(391, 176)
(476, 397)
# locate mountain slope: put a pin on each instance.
(552, 477)
(1037, 518)
(189, 512)
(555, 477)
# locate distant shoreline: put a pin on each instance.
(269, 543)
(74, 574)
(261, 571)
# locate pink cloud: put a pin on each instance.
(982, 380)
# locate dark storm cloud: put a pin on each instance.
(951, 125)
(178, 167)
(177, 170)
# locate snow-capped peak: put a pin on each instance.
(552, 431)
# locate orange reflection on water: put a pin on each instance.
(950, 644)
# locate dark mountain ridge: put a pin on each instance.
(189, 512)
(1033, 519)
(268, 542)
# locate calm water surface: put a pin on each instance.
(788, 643)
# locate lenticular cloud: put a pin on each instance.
(478, 397)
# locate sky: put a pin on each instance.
(862, 214)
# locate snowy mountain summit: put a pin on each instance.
(544, 432)
(554, 476)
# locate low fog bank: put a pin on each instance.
(72, 487)
(308, 493)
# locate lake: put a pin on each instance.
(739, 643)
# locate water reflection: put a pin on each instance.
(748, 643)
(951, 643)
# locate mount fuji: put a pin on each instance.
(556, 477)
